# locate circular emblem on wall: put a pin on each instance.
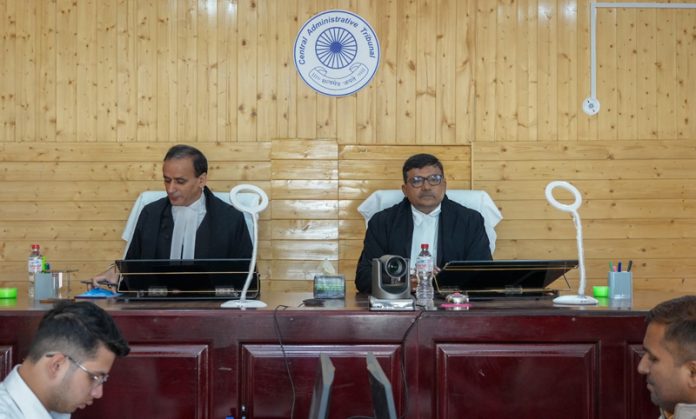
(336, 53)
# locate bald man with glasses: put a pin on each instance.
(68, 363)
(426, 215)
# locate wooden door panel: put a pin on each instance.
(516, 380)
(267, 392)
(156, 381)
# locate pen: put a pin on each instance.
(611, 266)
(630, 265)
(619, 269)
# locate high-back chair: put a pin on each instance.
(476, 200)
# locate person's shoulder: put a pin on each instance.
(7, 404)
(449, 205)
(393, 211)
(157, 205)
(218, 205)
(684, 410)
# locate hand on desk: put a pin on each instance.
(108, 278)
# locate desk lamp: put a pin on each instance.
(254, 211)
(580, 298)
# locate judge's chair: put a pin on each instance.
(476, 200)
(152, 196)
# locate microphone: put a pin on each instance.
(254, 211)
(580, 298)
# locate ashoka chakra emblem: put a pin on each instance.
(336, 48)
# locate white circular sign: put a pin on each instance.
(336, 53)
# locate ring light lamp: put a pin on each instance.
(580, 298)
(254, 211)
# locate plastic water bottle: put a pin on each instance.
(34, 266)
(424, 272)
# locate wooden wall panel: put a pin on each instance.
(366, 99)
(406, 72)
(686, 59)
(92, 93)
(642, 213)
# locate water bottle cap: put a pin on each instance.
(424, 246)
(35, 246)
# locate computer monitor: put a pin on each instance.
(511, 276)
(380, 386)
(321, 395)
(184, 278)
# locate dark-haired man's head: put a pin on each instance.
(71, 355)
(185, 173)
(80, 328)
(424, 182)
(669, 362)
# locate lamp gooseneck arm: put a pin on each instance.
(254, 211)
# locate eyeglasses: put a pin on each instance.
(97, 379)
(418, 181)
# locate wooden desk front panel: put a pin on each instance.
(504, 380)
(530, 366)
(208, 363)
(265, 382)
(157, 381)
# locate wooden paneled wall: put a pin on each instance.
(93, 92)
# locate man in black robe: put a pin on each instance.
(190, 222)
(219, 230)
(453, 231)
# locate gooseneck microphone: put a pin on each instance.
(580, 298)
(254, 211)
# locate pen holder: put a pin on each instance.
(620, 285)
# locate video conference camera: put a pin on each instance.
(390, 278)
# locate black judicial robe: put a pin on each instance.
(223, 233)
(461, 236)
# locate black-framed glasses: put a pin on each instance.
(97, 379)
(418, 181)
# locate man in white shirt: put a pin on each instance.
(426, 215)
(68, 363)
(669, 362)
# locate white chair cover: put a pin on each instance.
(476, 200)
(152, 196)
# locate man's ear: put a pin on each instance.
(54, 363)
(691, 365)
(203, 179)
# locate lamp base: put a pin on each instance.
(243, 304)
(575, 300)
